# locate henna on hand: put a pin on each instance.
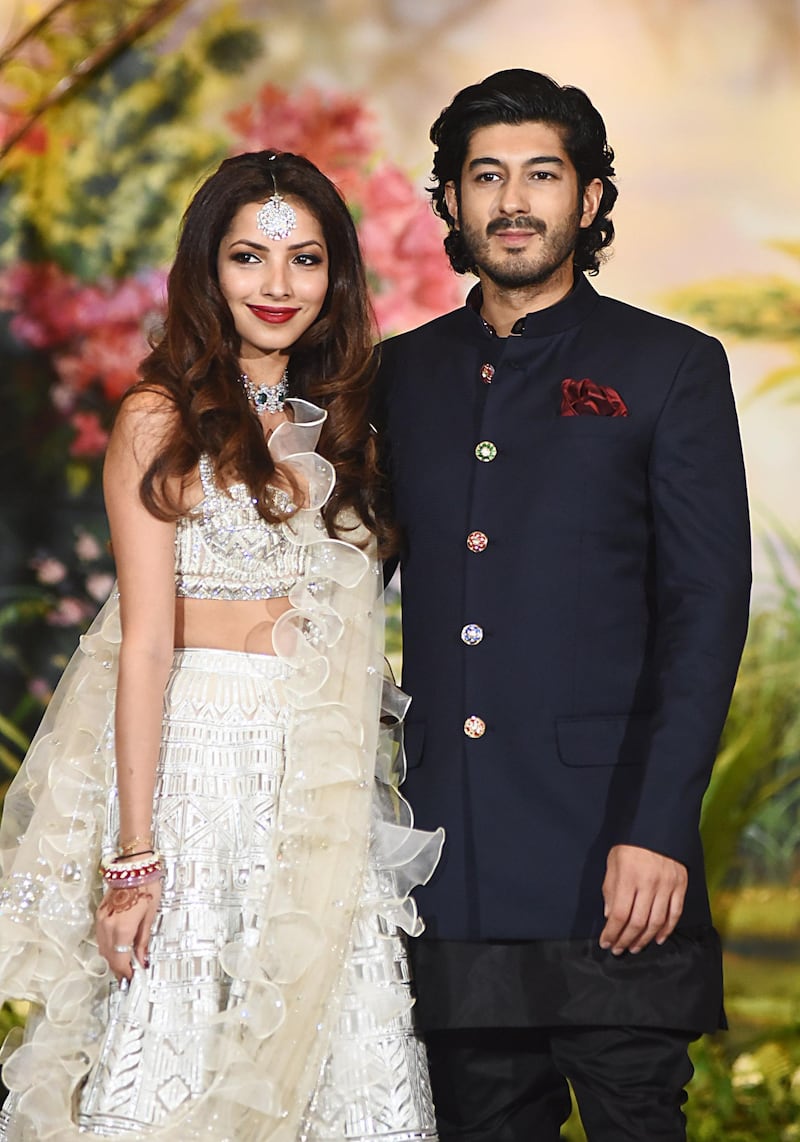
(122, 900)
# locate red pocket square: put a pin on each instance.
(585, 398)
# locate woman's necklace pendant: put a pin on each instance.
(266, 398)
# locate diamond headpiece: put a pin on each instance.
(276, 218)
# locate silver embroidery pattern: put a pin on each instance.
(217, 793)
(216, 797)
(225, 550)
(398, 1107)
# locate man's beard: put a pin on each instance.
(517, 269)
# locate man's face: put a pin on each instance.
(521, 208)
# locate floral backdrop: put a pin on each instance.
(91, 197)
(110, 117)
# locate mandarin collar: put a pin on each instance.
(571, 310)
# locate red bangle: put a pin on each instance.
(131, 874)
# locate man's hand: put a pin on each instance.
(643, 893)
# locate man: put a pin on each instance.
(568, 477)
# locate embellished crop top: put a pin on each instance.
(225, 550)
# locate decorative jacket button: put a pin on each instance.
(477, 541)
(487, 372)
(486, 451)
(474, 727)
(472, 634)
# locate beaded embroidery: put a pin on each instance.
(225, 550)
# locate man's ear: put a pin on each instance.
(592, 194)
(451, 198)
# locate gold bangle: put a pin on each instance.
(130, 856)
(144, 844)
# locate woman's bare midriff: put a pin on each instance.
(220, 624)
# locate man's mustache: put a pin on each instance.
(535, 225)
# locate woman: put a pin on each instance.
(216, 739)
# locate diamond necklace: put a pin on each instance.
(266, 398)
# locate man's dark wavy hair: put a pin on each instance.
(519, 96)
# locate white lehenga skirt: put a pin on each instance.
(217, 799)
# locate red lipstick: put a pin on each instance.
(273, 314)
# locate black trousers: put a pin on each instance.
(509, 1085)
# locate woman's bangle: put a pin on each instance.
(143, 844)
(133, 872)
(130, 856)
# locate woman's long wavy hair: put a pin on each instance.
(516, 96)
(195, 361)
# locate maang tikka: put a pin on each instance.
(276, 218)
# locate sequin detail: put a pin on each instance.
(218, 786)
(225, 550)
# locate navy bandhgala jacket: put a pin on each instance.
(575, 597)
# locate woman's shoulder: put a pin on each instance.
(148, 410)
(147, 399)
(145, 422)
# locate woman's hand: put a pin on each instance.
(124, 922)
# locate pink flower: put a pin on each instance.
(334, 131)
(91, 438)
(40, 293)
(35, 138)
(98, 585)
(49, 570)
(68, 612)
(118, 303)
(87, 547)
(64, 398)
(109, 356)
(53, 309)
(40, 689)
(402, 243)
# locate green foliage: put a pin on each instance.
(764, 309)
(572, 1130)
(771, 910)
(754, 1095)
(231, 48)
(13, 745)
(394, 651)
(120, 163)
(759, 758)
(754, 309)
(12, 1014)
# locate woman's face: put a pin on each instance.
(275, 287)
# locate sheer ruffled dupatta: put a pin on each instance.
(339, 808)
